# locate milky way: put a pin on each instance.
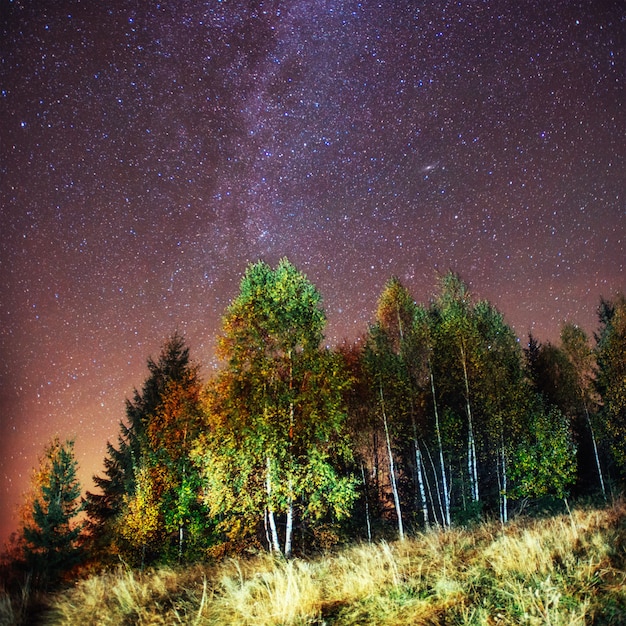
(149, 151)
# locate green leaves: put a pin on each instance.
(545, 461)
(277, 312)
(611, 382)
(276, 412)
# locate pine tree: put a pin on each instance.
(50, 530)
(134, 452)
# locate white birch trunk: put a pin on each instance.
(439, 499)
(392, 469)
(595, 450)
(444, 479)
(289, 529)
(472, 465)
(420, 480)
(290, 511)
(181, 538)
(267, 529)
(275, 545)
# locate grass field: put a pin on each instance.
(563, 570)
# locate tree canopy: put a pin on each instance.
(435, 416)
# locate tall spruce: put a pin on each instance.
(123, 463)
(51, 529)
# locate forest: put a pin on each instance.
(437, 416)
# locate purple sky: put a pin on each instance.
(150, 150)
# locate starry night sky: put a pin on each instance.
(150, 150)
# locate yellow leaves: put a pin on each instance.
(139, 524)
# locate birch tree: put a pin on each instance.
(456, 342)
(396, 361)
(383, 369)
(424, 327)
(611, 380)
(277, 409)
(502, 394)
(575, 345)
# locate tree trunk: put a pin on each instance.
(267, 529)
(419, 466)
(595, 450)
(439, 500)
(472, 465)
(289, 521)
(289, 529)
(444, 479)
(502, 485)
(505, 497)
(275, 545)
(181, 538)
(392, 469)
(420, 480)
(367, 506)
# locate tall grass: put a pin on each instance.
(557, 571)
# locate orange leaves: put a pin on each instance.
(178, 418)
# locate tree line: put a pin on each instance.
(437, 415)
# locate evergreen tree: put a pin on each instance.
(553, 377)
(134, 453)
(50, 529)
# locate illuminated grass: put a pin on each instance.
(562, 570)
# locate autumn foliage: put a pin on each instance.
(436, 416)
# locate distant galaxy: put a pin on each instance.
(150, 150)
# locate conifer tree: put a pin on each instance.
(134, 452)
(50, 529)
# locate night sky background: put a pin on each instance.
(150, 150)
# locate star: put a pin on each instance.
(149, 153)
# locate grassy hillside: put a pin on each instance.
(561, 570)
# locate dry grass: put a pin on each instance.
(558, 571)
